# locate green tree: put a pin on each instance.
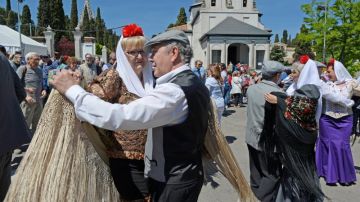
(26, 22)
(99, 27)
(170, 25)
(181, 18)
(8, 5)
(106, 38)
(92, 30)
(284, 38)
(74, 15)
(302, 44)
(11, 19)
(43, 15)
(58, 19)
(98, 49)
(277, 53)
(86, 26)
(342, 29)
(3, 16)
(276, 38)
(68, 27)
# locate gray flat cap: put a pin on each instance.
(271, 67)
(169, 36)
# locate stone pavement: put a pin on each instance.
(219, 190)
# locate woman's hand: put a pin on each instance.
(43, 94)
(270, 98)
(29, 100)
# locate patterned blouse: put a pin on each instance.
(124, 144)
(346, 89)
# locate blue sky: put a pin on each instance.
(155, 15)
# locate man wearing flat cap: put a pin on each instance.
(264, 183)
(175, 112)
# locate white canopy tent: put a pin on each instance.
(9, 38)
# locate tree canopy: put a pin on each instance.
(74, 14)
(284, 38)
(26, 22)
(341, 29)
(58, 19)
(277, 53)
(276, 38)
(181, 18)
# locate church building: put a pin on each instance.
(228, 31)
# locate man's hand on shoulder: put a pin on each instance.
(64, 79)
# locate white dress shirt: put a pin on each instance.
(165, 105)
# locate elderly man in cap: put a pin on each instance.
(175, 112)
(263, 182)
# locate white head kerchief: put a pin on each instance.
(341, 72)
(129, 77)
(308, 75)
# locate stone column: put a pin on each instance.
(267, 51)
(224, 54)
(251, 55)
(49, 37)
(208, 54)
(255, 55)
(104, 54)
(77, 40)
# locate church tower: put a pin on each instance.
(87, 7)
(228, 31)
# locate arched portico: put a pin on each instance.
(238, 52)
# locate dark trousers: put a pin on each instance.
(238, 99)
(356, 114)
(264, 184)
(184, 192)
(129, 178)
(5, 174)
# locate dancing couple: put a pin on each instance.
(151, 140)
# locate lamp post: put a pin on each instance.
(19, 25)
(325, 9)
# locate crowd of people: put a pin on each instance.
(147, 119)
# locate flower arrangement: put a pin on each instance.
(331, 62)
(132, 30)
(304, 59)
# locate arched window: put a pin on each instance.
(244, 3)
(213, 2)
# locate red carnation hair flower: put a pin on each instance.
(304, 59)
(331, 62)
(132, 30)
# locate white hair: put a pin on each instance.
(184, 50)
(30, 55)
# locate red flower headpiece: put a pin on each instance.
(304, 59)
(331, 62)
(132, 30)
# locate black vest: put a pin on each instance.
(182, 143)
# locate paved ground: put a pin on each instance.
(219, 190)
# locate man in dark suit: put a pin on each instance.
(13, 128)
